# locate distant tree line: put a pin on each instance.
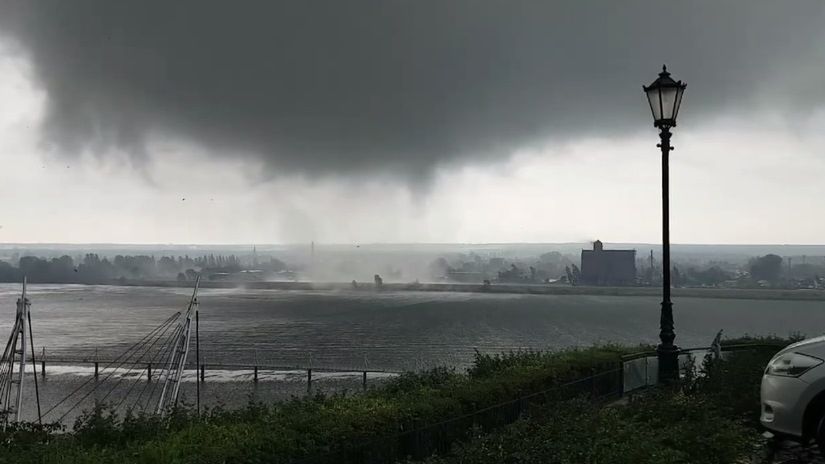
(473, 267)
(761, 271)
(93, 269)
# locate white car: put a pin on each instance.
(793, 392)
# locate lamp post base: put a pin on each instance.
(668, 364)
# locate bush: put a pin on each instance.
(711, 418)
(311, 426)
(654, 429)
(706, 421)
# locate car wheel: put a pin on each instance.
(819, 434)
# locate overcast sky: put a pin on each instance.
(407, 121)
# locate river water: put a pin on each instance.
(391, 331)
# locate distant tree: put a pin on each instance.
(439, 268)
(167, 265)
(805, 271)
(512, 275)
(712, 276)
(551, 257)
(34, 268)
(275, 264)
(577, 273)
(191, 274)
(181, 277)
(8, 273)
(767, 267)
(569, 274)
(677, 280)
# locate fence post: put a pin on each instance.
(96, 370)
(43, 363)
(255, 379)
(309, 380)
(647, 375)
(203, 372)
(149, 372)
(593, 391)
(621, 378)
(364, 381)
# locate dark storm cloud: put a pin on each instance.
(398, 86)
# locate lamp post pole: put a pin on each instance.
(667, 352)
(664, 96)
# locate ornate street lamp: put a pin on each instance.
(665, 96)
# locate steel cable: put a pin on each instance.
(114, 369)
(139, 342)
(138, 360)
(164, 361)
(151, 361)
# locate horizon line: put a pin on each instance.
(317, 243)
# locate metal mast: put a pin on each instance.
(13, 362)
(177, 359)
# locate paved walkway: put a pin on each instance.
(788, 452)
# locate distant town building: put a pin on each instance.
(608, 267)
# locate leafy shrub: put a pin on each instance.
(656, 428)
(305, 427)
(322, 425)
(711, 418)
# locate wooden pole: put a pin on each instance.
(43, 363)
(149, 372)
(365, 381)
(96, 370)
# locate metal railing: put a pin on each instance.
(640, 370)
(256, 371)
(418, 441)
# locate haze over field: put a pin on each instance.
(366, 121)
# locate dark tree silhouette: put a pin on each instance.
(94, 269)
(766, 267)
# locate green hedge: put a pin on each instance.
(304, 427)
(656, 429)
(710, 418)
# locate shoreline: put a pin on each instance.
(525, 289)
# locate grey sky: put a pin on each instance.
(399, 104)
